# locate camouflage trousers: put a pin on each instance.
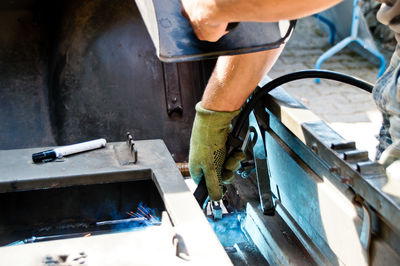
(386, 94)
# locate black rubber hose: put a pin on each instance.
(321, 74)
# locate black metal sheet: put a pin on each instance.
(175, 40)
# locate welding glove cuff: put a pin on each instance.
(208, 150)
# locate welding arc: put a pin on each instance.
(261, 92)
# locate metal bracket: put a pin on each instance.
(263, 178)
(259, 165)
(247, 167)
(261, 161)
(131, 146)
(172, 89)
(366, 229)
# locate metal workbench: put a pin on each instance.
(182, 219)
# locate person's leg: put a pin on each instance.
(235, 77)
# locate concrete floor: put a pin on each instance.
(348, 110)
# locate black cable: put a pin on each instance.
(322, 74)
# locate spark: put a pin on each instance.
(144, 212)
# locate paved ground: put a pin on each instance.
(348, 110)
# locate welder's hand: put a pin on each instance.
(206, 23)
(208, 150)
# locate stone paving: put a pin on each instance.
(348, 110)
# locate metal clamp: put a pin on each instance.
(366, 229)
(259, 164)
(216, 209)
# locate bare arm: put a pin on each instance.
(235, 77)
(209, 18)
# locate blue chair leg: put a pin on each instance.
(353, 37)
(377, 54)
(333, 50)
(331, 26)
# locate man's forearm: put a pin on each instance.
(235, 77)
(209, 18)
(266, 10)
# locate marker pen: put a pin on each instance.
(50, 155)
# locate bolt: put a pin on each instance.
(334, 170)
(314, 147)
(346, 180)
(378, 204)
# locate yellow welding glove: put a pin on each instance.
(207, 156)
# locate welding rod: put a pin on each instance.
(54, 237)
(129, 220)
